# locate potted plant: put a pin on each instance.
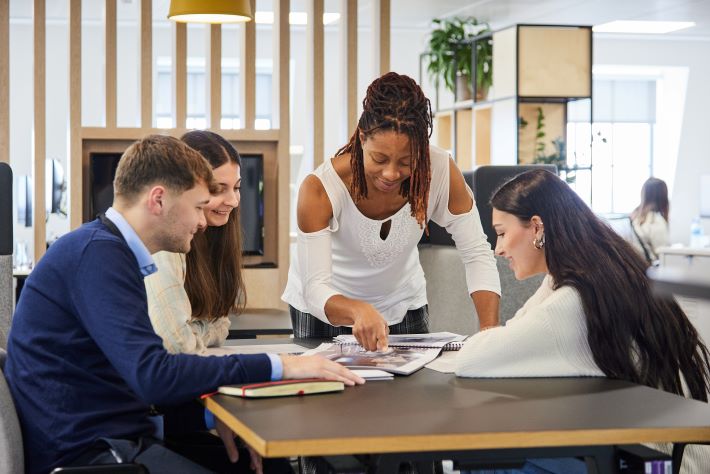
(450, 54)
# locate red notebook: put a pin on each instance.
(282, 388)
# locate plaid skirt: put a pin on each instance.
(416, 321)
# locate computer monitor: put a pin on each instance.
(55, 186)
(252, 204)
(102, 169)
(24, 200)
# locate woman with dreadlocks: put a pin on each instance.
(361, 215)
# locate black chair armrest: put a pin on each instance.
(103, 468)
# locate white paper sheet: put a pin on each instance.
(256, 349)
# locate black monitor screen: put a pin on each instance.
(102, 169)
(251, 206)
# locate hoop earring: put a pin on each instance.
(539, 243)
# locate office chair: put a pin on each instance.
(6, 246)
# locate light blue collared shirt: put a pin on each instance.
(147, 267)
(145, 260)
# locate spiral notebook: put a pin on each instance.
(446, 341)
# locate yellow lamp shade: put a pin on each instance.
(210, 11)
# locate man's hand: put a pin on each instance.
(256, 463)
(370, 328)
(317, 367)
(227, 436)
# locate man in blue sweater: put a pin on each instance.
(84, 364)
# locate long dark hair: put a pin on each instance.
(213, 279)
(395, 102)
(633, 334)
(654, 198)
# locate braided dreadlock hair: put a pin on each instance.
(395, 102)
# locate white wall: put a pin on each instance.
(693, 155)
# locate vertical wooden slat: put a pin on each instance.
(381, 21)
(110, 45)
(214, 85)
(40, 128)
(180, 75)
(5, 81)
(315, 30)
(75, 164)
(146, 63)
(282, 45)
(249, 69)
(349, 9)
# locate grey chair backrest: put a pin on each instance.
(450, 305)
(6, 245)
(10, 434)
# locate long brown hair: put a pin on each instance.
(633, 334)
(395, 102)
(213, 279)
(654, 198)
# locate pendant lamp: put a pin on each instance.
(210, 11)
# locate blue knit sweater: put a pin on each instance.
(83, 359)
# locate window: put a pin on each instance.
(196, 100)
(622, 137)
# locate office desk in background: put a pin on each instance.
(430, 416)
(260, 322)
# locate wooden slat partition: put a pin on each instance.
(5, 81)
(382, 34)
(248, 62)
(283, 41)
(75, 162)
(110, 46)
(349, 9)
(40, 128)
(315, 30)
(180, 75)
(146, 63)
(214, 84)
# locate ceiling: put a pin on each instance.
(502, 13)
(417, 14)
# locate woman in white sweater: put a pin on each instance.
(650, 219)
(594, 314)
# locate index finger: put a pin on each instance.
(382, 340)
(343, 374)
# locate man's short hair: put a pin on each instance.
(160, 159)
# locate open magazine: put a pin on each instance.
(397, 360)
(447, 341)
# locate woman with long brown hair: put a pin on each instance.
(650, 219)
(594, 314)
(361, 215)
(190, 298)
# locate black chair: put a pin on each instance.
(486, 180)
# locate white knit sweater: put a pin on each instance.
(547, 337)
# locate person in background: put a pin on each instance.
(593, 315)
(191, 296)
(361, 215)
(84, 364)
(649, 221)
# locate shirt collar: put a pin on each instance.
(145, 260)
